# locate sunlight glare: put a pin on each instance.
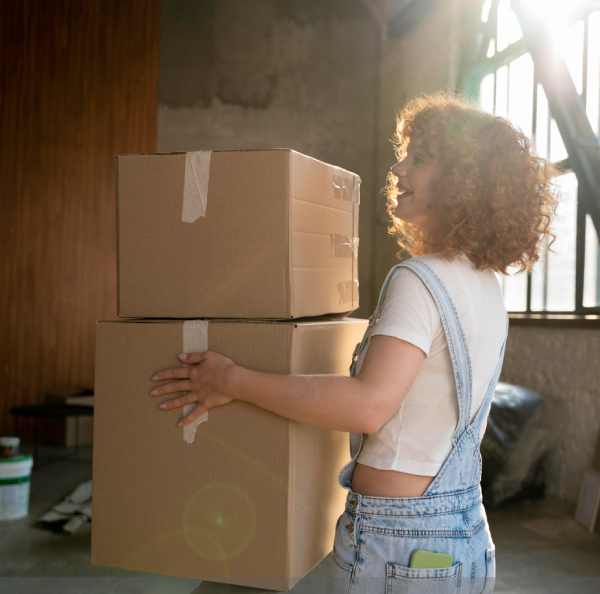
(485, 11)
(551, 12)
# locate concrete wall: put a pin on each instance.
(560, 363)
(299, 74)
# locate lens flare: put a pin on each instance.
(219, 521)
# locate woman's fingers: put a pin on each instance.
(193, 415)
(171, 373)
(172, 388)
(213, 401)
(179, 402)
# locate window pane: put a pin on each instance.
(502, 92)
(591, 273)
(553, 275)
(538, 281)
(561, 260)
(570, 44)
(542, 124)
(514, 290)
(593, 72)
(486, 93)
(520, 100)
(509, 29)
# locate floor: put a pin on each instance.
(540, 548)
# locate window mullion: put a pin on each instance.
(580, 234)
(533, 138)
(545, 281)
(579, 251)
(567, 108)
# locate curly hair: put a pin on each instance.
(495, 200)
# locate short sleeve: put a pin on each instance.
(408, 311)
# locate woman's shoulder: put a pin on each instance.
(451, 265)
(439, 263)
(458, 275)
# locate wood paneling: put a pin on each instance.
(78, 84)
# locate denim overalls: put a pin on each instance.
(375, 536)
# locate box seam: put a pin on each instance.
(292, 347)
(290, 301)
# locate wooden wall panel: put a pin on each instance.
(78, 84)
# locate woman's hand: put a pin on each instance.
(201, 379)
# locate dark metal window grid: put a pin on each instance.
(491, 65)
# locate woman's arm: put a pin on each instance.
(326, 401)
(355, 404)
(361, 404)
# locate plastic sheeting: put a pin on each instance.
(515, 446)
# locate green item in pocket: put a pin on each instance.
(422, 559)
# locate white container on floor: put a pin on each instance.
(15, 475)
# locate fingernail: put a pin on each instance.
(183, 355)
(155, 376)
(163, 406)
(179, 423)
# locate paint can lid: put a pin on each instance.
(9, 442)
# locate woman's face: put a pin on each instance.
(417, 174)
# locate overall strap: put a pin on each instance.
(482, 412)
(382, 292)
(457, 345)
(372, 319)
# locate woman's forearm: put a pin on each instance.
(327, 401)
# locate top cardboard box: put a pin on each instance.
(266, 234)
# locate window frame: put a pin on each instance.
(483, 66)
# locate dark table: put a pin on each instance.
(53, 411)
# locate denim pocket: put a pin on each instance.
(343, 546)
(401, 579)
(490, 571)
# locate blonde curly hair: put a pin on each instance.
(495, 199)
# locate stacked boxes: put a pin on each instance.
(224, 250)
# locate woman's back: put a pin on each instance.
(417, 439)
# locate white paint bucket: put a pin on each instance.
(15, 475)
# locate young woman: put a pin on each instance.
(466, 200)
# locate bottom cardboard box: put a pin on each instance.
(253, 500)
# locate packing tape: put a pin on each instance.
(344, 246)
(348, 291)
(195, 340)
(346, 186)
(195, 186)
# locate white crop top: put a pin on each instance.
(418, 437)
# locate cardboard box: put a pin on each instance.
(254, 499)
(236, 234)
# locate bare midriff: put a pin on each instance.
(367, 480)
